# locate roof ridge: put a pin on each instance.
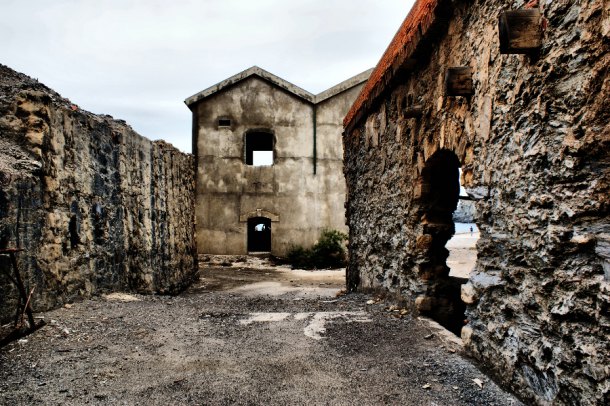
(343, 86)
(251, 71)
(282, 83)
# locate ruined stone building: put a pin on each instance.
(269, 162)
(95, 206)
(518, 97)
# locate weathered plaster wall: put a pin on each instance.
(534, 146)
(331, 182)
(228, 189)
(96, 206)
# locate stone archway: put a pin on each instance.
(440, 195)
(440, 189)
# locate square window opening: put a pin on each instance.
(224, 122)
(259, 149)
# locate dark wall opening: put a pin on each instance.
(440, 196)
(259, 234)
(73, 230)
(441, 190)
(74, 226)
(259, 148)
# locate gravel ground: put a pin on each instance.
(250, 334)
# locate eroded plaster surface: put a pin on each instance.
(302, 193)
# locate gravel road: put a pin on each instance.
(250, 334)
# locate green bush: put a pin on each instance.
(328, 252)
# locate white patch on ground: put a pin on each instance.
(279, 289)
(316, 326)
(264, 317)
(263, 288)
(333, 275)
(121, 297)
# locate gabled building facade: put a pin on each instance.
(269, 162)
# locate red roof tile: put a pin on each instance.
(401, 48)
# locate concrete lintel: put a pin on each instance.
(259, 213)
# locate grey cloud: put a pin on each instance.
(138, 59)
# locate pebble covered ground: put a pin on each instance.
(221, 343)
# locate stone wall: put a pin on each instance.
(533, 143)
(96, 206)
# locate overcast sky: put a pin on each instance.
(137, 60)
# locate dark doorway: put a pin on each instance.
(259, 148)
(441, 190)
(259, 234)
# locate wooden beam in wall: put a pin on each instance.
(413, 111)
(520, 31)
(458, 81)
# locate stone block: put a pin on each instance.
(484, 280)
(423, 303)
(466, 335)
(468, 293)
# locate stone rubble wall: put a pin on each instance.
(96, 207)
(465, 212)
(534, 148)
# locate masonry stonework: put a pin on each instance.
(533, 143)
(96, 206)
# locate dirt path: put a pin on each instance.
(241, 336)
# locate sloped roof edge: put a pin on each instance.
(253, 71)
(284, 84)
(343, 86)
(403, 45)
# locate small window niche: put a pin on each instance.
(520, 31)
(259, 148)
(458, 81)
(224, 122)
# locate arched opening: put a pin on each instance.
(463, 245)
(258, 147)
(259, 234)
(439, 200)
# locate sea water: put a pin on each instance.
(463, 228)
